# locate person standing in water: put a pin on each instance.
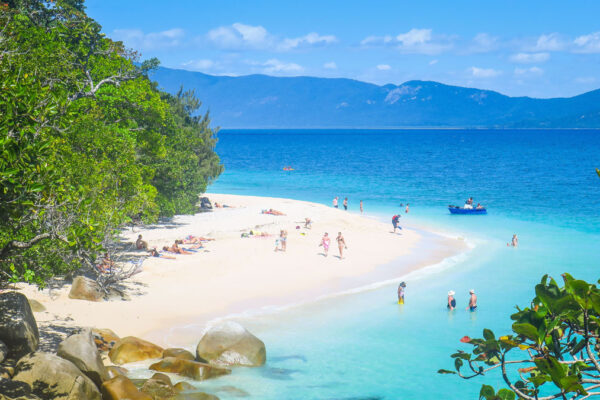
(361, 207)
(341, 244)
(401, 287)
(345, 203)
(335, 202)
(325, 241)
(472, 301)
(406, 211)
(451, 300)
(515, 241)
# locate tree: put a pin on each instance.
(552, 352)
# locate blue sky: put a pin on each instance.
(532, 48)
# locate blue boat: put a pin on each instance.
(468, 211)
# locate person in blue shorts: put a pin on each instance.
(472, 301)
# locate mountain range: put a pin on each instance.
(261, 101)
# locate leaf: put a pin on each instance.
(445, 371)
(488, 334)
(487, 392)
(505, 394)
(527, 330)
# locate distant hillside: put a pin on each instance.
(260, 101)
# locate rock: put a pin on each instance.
(191, 369)
(121, 388)
(183, 386)
(131, 349)
(159, 387)
(85, 289)
(231, 344)
(14, 388)
(3, 351)
(205, 204)
(233, 391)
(52, 377)
(18, 329)
(180, 353)
(113, 371)
(195, 396)
(36, 306)
(105, 339)
(81, 350)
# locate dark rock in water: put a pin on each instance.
(230, 343)
(180, 353)
(14, 389)
(191, 369)
(52, 377)
(18, 329)
(232, 391)
(81, 350)
(121, 388)
(85, 289)
(36, 306)
(158, 387)
(3, 351)
(282, 374)
(132, 349)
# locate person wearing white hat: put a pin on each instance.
(451, 300)
(472, 300)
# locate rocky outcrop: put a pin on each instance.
(191, 369)
(36, 306)
(159, 387)
(131, 349)
(52, 377)
(180, 353)
(18, 329)
(85, 289)
(113, 371)
(14, 389)
(81, 350)
(230, 343)
(121, 388)
(183, 386)
(195, 396)
(3, 351)
(105, 339)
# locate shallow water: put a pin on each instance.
(539, 184)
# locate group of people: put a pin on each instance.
(451, 305)
(326, 241)
(469, 204)
(195, 243)
(345, 203)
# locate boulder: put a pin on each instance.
(180, 353)
(18, 329)
(14, 389)
(131, 349)
(113, 371)
(105, 339)
(36, 306)
(3, 351)
(85, 289)
(183, 386)
(230, 343)
(52, 377)
(121, 388)
(81, 350)
(159, 387)
(191, 369)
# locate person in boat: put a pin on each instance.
(479, 207)
(451, 300)
(401, 288)
(469, 204)
(472, 301)
(395, 221)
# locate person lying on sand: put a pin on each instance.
(272, 212)
(176, 249)
(217, 205)
(155, 253)
(307, 223)
(191, 239)
(141, 244)
(198, 245)
(256, 233)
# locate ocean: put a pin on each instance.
(539, 184)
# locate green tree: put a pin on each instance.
(552, 352)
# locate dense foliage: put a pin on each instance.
(87, 142)
(552, 352)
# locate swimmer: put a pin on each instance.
(472, 301)
(451, 300)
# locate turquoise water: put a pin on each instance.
(539, 184)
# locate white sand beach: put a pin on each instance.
(235, 274)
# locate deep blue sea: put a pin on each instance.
(539, 184)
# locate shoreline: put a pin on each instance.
(244, 275)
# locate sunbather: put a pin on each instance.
(272, 212)
(106, 264)
(155, 253)
(141, 244)
(191, 239)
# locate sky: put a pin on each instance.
(533, 48)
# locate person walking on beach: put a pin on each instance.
(401, 287)
(325, 241)
(283, 239)
(335, 202)
(406, 210)
(361, 207)
(345, 203)
(341, 244)
(472, 301)
(451, 300)
(395, 220)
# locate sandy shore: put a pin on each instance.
(235, 274)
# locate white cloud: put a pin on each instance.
(529, 58)
(433, 62)
(139, 40)
(384, 67)
(307, 40)
(274, 66)
(586, 79)
(587, 43)
(529, 71)
(330, 65)
(484, 72)
(483, 43)
(199, 65)
(550, 42)
(415, 41)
